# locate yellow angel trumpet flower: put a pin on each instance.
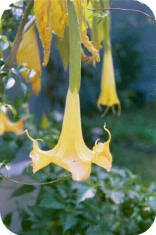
(8, 126)
(108, 95)
(28, 54)
(71, 153)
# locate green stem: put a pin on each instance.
(12, 57)
(107, 25)
(74, 49)
(1, 87)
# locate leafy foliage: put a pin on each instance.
(22, 190)
(108, 203)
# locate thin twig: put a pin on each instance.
(62, 178)
(18, 38)
(29, 24)
(123, 9)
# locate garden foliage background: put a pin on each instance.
(116, 203)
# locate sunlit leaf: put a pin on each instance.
(10, 83)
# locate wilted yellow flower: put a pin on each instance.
(29, 55)
(88, 44)
(43, 13)
(51, 17)
(108, 95)
(59, 16)
(71, 153)
(8, 126)
(81, 9)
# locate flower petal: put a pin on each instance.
(102, 155)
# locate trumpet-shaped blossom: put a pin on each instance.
(108, 95)
(71, 153)
(8, 126)
(28, 54)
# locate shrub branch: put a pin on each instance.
(18, 38)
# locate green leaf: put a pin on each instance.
(63, 47)
(68, 222)
(50, 201)
(23, 190)
(7, 219)
(74, 49)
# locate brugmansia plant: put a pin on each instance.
(52, 18)
(71, 152)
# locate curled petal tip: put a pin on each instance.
(29, 137)
(109, 134)
(96, 142)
